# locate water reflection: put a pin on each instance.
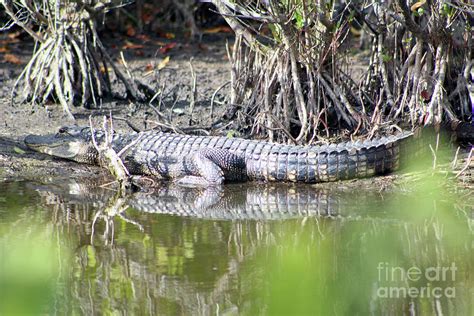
(231, 202)
(247, 248)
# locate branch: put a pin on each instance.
(9, 11)
(234, 24)
(411, 25)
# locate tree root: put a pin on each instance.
(70, 64)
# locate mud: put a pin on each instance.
(209, 62)
(210, 65)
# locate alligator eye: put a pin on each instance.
(62, 130)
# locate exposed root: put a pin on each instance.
(290, 86)
(288, 61)
(467, 165)
(424, 57)
(70, 64)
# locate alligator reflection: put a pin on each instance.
(251, 249)
(247, 201)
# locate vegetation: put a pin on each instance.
(70, 64)
(291, 71)
(291, 77)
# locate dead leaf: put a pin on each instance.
(164, 62)
(14, 35)
(218, 29)
(178, 111)
(12, 59)
(417, 5)
(143, 37)
(203, 47)
(4, 49)
(149, 67)
(147, 18)
(130, 45)
(356, 32)
(131, 31)
(426, 95)
(167, 47)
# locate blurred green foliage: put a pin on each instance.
(322, 272)
(338, 268)
(29, 271)
(183, 265)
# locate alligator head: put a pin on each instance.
(73, 143)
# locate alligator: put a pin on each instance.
(211, 160)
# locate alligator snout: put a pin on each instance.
(34, 141)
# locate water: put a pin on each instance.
(71, 247)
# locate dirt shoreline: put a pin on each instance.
(210, 63)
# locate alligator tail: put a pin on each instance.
(325, 163)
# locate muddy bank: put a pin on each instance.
(210, 65)
(209, 62)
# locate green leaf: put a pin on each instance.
(231, 134)
(386, 58)
(447, 9)
(299, 19)
(18, 150)
(276, 31)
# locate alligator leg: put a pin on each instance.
(211, 165)
(208, 172)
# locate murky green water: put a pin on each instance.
(70, 248)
